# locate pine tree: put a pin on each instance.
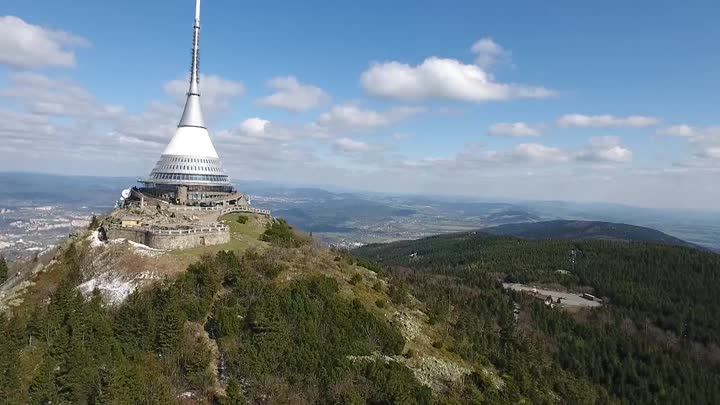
(94, 223)
(3, 269)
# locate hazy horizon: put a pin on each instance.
(530, 102)
(459, 198)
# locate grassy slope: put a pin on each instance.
(243, 237)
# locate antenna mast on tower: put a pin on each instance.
(192, 115)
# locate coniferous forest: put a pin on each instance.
(236, 323)
(292, 343)
(656, 340)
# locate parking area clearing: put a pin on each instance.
(567, 299)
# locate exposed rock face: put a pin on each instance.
(437, 373)
(433, 372)
(409, 322)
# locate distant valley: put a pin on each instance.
(37, 210)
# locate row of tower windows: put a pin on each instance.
(191, 177)
(191, 160)
(181, 167)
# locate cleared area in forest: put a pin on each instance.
(568, 299)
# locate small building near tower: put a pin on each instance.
(131, 221)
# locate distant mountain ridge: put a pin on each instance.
(586, 230)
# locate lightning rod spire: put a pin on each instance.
(192, 115)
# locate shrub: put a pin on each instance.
(242, 219)
(380, 303)
(280, 233)
(94, 223)
(3, 269)
(356, 278)
(398, 292)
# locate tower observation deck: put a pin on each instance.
(189, 170)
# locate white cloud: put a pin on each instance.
(599, 150)
(712, 152)
(438, 78)
(217, 92)
(348, 145)
(708, 135)
(349, 117)
(488, 53)
(605, 149)
(254, 126)
(517, 129)
(294, 96)
(606, 121)
(537, 153)
(705, 143)
(258, 131)
(43, 95)
(28, 46)
(678, 130)
(56, 120)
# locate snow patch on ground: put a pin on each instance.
(144, 250)
(115, 289)
(94, 239)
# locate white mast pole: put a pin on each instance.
(194, 73)
(192, 115)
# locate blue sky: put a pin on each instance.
(610, 101)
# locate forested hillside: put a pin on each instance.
(282, 320)
(585, 230)
(656, 341)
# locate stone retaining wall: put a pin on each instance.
(221, 210)
(173, 239)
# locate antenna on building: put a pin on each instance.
(192, 114)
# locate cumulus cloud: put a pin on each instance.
(536, 153)
(489, 53)
(517, 129)
(49, 121)
(712, 152)
(260, 131)
(599, 150)
(254, 126)
(43, 95)
(350, 117)
(708, 135)
(605, 149)
(678, 130)
(348, 145)
(294, 96)
(439, 78)
(606, 121)
(28, 46)
(217, 92)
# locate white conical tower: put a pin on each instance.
(189, 167)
